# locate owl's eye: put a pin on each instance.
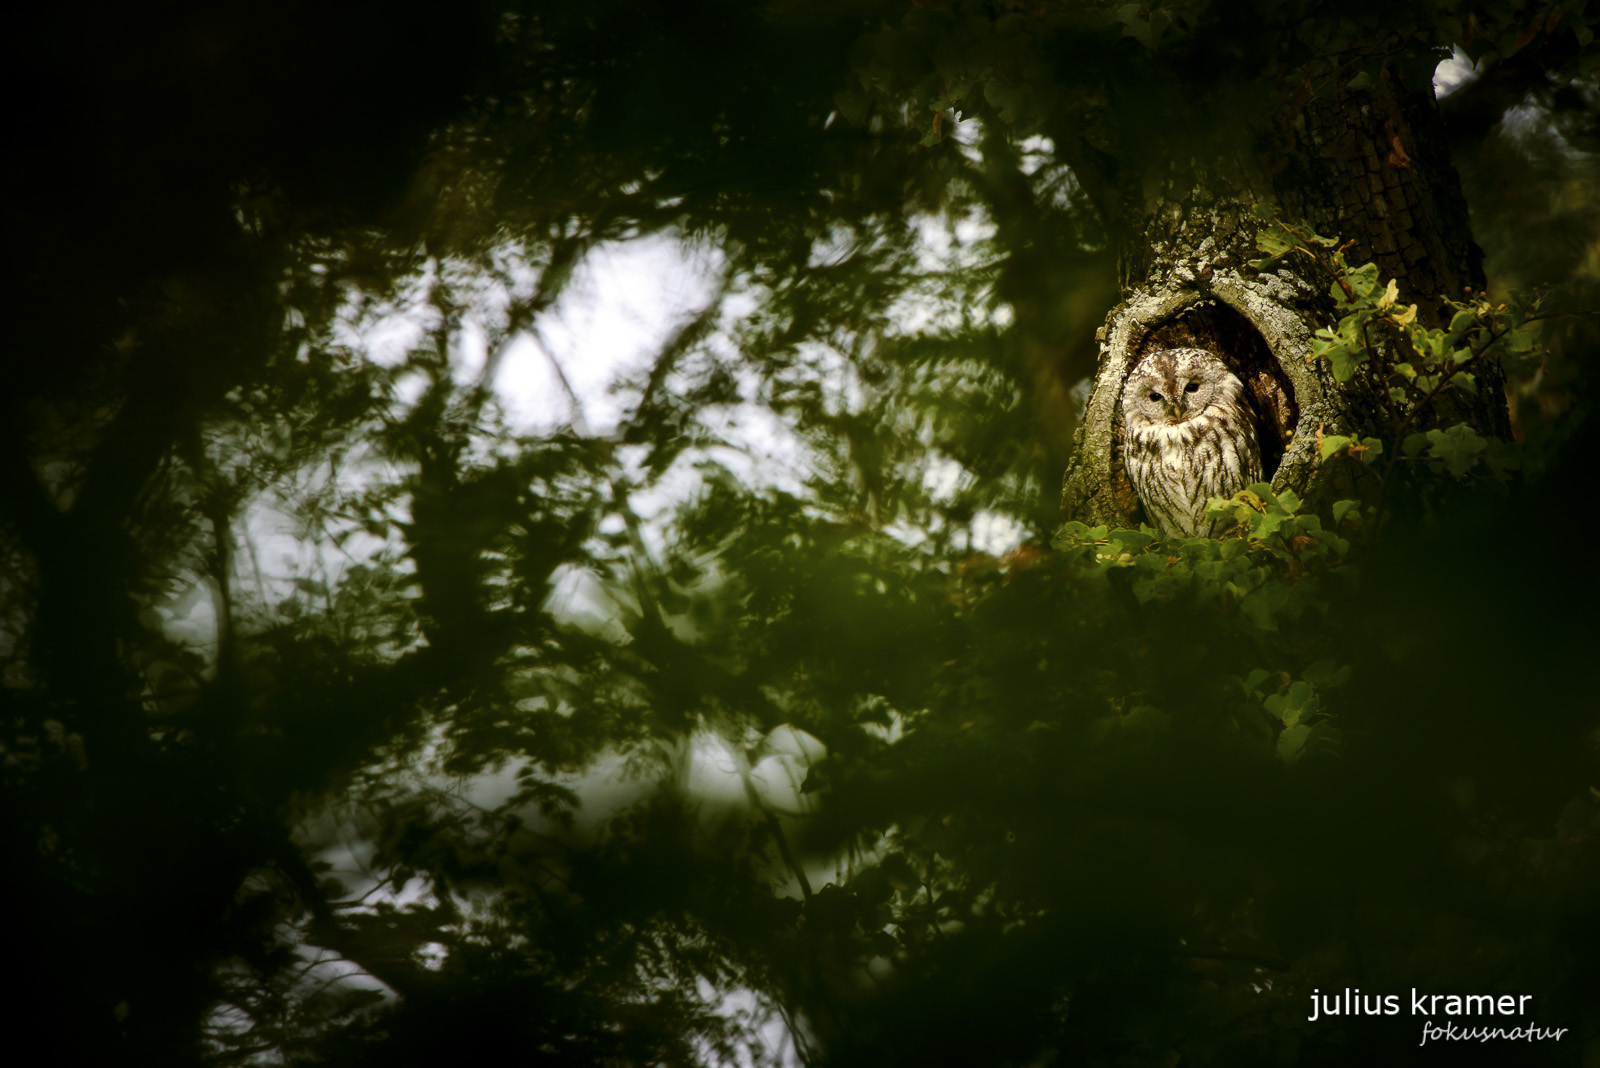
(1192, 387)
(1155, 396)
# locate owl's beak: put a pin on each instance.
(1174, 407)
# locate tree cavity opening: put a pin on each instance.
(1217, 327)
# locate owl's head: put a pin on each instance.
(1172, 386)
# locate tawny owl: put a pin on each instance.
(1187, 436)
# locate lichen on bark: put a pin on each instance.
(1365, 164)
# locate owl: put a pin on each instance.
(1187, 436)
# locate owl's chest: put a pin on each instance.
(1168, 435)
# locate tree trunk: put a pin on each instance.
(1367, 165)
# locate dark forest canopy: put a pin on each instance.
(744, 699)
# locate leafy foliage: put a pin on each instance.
(1416, 369)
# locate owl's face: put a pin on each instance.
(1187, 436)
(1171, 387)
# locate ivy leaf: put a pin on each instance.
(1071, 535)
(1344, 362)
(1298, 705)
(1262, 604)
(1503, 457)
(1458, 447)
(1253, 681)
(1363, 280)
(1131, 541)
(1274, 242)
(1292, 743)
(1327, 675)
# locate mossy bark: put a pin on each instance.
(1364, 164)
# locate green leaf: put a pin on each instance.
(1071, 535)
(1334, 443)
(1363, 279)
(1503, 457)
(1262, 605)
(1275, 243)
(1297, 705)
(1326, 674)
(1524, 338)
(1131, 541)
(1344, 362)
(1344, 508)
(1292, 743)
(1253, 681)
(1265, 524)
(1457, 446)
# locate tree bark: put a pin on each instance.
(1367, 165)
